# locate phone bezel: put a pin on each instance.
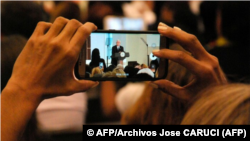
(81, 63)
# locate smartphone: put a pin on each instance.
(100, 65)
(153, 67)
(122, 51)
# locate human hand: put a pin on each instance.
(204, 66)
(45, 67)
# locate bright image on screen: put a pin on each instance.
(120, 55)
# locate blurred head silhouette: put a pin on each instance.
(21, 17)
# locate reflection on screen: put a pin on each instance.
(122, 55)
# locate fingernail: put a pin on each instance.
(175, 27)
(162, 24)
(162, 28)
(156, 52)
(153, 85)
(96, 84)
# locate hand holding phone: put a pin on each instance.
(204, 66)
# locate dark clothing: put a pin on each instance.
(115, 50)
(235, 62)
(155, 63)
(96, 64)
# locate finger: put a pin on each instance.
(182, 58)
(57, 27)
(81, 35)
(175, 27)
(186, 40)
(41, 28)
(171, 88)
(69, 30)
(84, 85)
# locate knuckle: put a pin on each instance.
(205, 72)
(71, 55)
(55, 44)
(212, 62)
(74, 21)
(192, 38)
(215, 62)
(215, 59)
(31, 41)
(61, 19)
(208, 71)
(210, 66)
(41, 24)
(90, 23)
(84, 30)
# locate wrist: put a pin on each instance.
(22, 92)
(17, 106)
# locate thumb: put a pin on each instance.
(84, 85)
(171, 88)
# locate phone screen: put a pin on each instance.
(126, 56)
(101, 65)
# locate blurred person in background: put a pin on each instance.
(208, 14)
(11, 46)
(96, 72)
(180, 14)
(97, 10)
(96, 60)
(233, 45)
(49, 7)
(67, 9)
(21, 17)
(184, 18)
(227, 104)
(140, 9)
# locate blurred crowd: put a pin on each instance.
(222, 28)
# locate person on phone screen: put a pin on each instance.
(116, 49)
(96, 60)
